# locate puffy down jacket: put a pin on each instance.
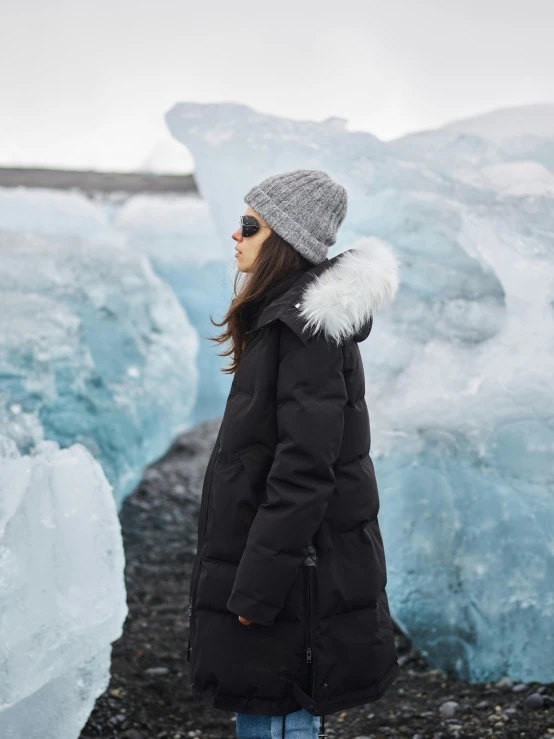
(288, 533)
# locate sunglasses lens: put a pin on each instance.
(249, 225)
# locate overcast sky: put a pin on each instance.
(86, 84)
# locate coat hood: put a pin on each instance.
(355, 283)
(339, 295)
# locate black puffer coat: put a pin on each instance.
(288, 533)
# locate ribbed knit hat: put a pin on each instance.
(304, 206)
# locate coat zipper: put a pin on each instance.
(199, 562)
(309, 629)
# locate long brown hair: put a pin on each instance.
(275, 261)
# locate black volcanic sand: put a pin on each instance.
(149, 692)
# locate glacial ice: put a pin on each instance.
(63, 599)
(94, 348)
(459, 369)
(177, 236)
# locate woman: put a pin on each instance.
(289, 618)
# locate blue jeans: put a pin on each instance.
(298, 725)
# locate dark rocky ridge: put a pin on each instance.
(93, 182)
(149, 692)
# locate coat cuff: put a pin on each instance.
(251, 597)
(253, 611)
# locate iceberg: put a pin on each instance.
(459, 368)
(174, 232)
(94, 348)
(63, 599)
(179, 237)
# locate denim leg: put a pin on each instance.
(250, 726)
(298, 725)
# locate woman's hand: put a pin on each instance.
(245, 621)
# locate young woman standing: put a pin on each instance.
(289, 617)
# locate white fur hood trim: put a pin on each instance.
(362, 279)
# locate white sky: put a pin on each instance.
(86, 85)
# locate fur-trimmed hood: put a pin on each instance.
(355, 283)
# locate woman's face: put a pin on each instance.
(247, 248)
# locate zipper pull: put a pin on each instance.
(190, 610)
(309, 654)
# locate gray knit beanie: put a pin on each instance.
(304, 206)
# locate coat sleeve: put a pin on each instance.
(310, 399)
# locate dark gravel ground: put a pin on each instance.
(149, 693)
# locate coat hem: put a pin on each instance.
(347, 700)
(298, 699)
(352, 699)
(257, 706)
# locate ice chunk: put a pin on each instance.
(56, 212)
(62, 589)
(179, 237)
(175, 232)
(95, 348)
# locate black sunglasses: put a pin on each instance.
(250, 225)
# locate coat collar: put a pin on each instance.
(339, 295)
(253, 309)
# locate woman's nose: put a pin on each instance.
(237, 235)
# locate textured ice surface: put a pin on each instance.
(62, 589)
(95, 348)
(459, 369)
(177, 235)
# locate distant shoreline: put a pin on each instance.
(91, 181)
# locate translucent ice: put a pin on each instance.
(459, 369)
(175, 232)
(178, 236)
(63, 599)
(95, 348)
